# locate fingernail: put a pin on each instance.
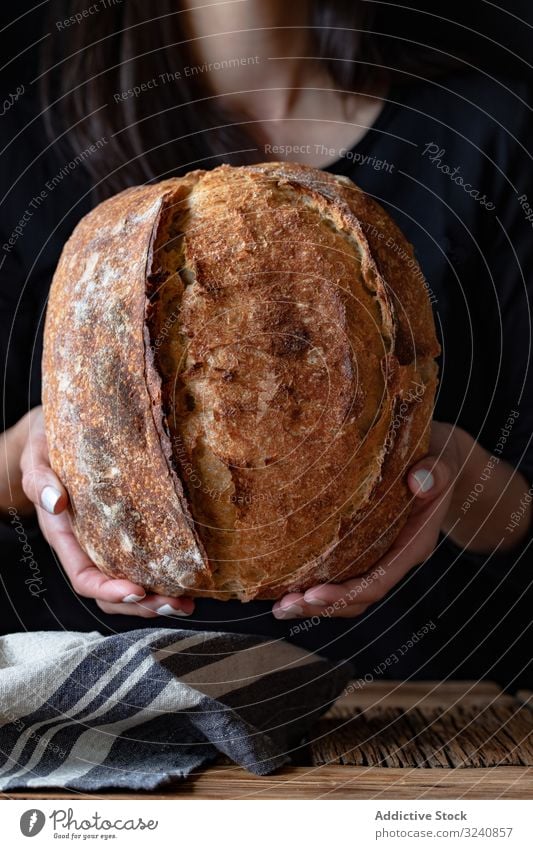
(316, 600)
(289, 612)
(129, 599)
(424, 479)
(168, 610)
(49, 498)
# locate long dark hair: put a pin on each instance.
(87, 65)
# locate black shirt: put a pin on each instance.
(448, 160)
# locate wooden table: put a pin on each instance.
(388, 740)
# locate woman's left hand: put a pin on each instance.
(431, 482)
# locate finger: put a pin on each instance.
(126, 610)
(338, 611)
(153, 606)
(84, 576)
(429, 478)
(294, 606)
(289, 607)
(40, 484)
(42, 487)
(352, 593)
(167, 606)
(91, 583)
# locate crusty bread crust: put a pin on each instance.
(238, 371)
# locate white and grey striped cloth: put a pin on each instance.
(140, 709)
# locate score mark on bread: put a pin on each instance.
(238, 371)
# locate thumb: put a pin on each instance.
(429, 478)
(40, 484)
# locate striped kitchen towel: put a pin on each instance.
(140, 709)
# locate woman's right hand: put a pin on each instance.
(42, 487)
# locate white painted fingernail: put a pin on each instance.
(49, 498)
(289, 612)
(168, 610)
(424, 479)
(129, 599)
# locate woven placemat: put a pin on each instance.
(499, 734)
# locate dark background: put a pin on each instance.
(486, 35)
(496, 36)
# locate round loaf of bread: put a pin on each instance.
(239, 369)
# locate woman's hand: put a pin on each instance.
(12, 495)
(42, 487)
(431, 482)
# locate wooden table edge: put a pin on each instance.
(325, 782)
